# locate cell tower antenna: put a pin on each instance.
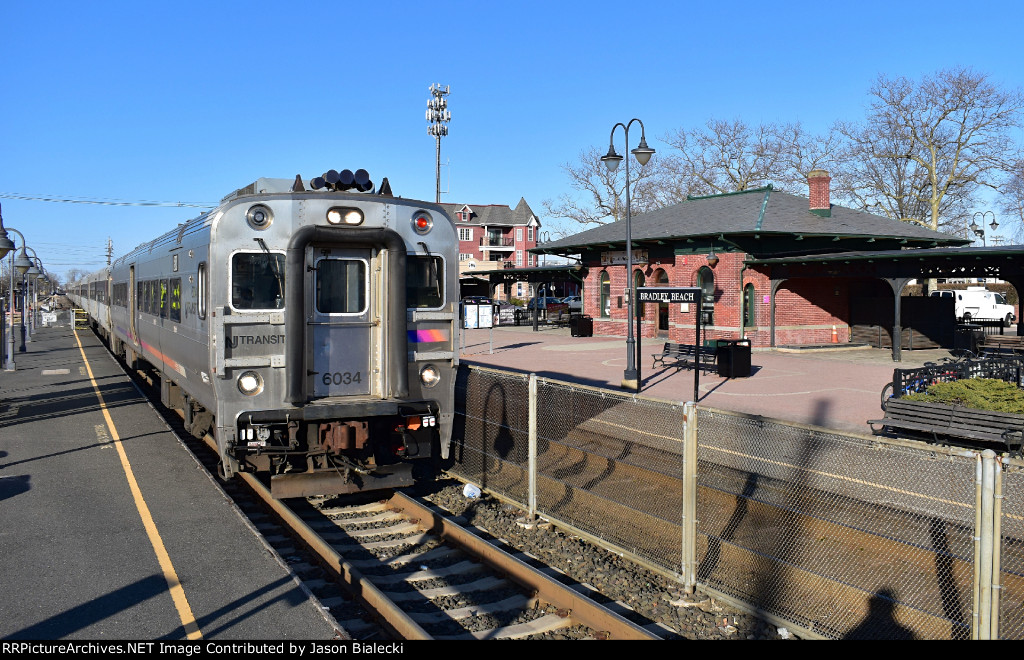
(438, 115)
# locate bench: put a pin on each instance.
(686, 355)
(1002, 345)
(945, 421)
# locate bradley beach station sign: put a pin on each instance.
(664, 294)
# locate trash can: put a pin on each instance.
(734, 358)
(968, 337)
(581, 326)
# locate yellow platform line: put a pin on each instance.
(188, 620)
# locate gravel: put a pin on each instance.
(695, 616)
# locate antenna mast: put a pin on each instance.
(438, 115)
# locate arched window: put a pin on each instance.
(706, 283)
(661, 279)
(606, 295)
(749, 306)
(638, 280)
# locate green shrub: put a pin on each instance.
(980, 393)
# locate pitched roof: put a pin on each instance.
(494, 214)
(747, 217)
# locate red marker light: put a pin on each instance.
(422, 223)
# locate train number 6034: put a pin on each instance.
(342, 378)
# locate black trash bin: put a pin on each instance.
(968, 337)
(734, 358)
(581, 326)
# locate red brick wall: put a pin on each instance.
(806, 309)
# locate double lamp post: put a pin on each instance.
(642, 153)
(25, 268)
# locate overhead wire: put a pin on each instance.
(105, 202)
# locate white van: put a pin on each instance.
(977, 302)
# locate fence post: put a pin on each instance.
(531, 495)
(688, 567)
(985, 561)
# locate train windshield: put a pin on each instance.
(424, 282)
(257, 280)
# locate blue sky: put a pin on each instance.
(187, 101)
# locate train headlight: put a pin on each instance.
(430, 376)
(259, 216)
(422, 223)
(343, 216)
(250, 383)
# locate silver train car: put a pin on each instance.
(312, 328)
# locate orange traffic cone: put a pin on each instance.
(835, 335)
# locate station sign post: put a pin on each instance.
(672, 295)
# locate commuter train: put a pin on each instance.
(313, 332)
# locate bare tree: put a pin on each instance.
(1012, 203)
(75, 274)
(925, 150)
(726, 156)
(600, 194)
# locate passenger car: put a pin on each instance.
(575, 303)
(544, 302)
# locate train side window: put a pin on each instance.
(201, 307)
(424, 282)
(174, 295)
(165, 300)
(257, 280)
(341, 286)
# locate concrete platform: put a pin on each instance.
(110, 529)
(836, 387)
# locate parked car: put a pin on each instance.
(575, 303)
(977, 302)
(544, 302)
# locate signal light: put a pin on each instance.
(422, 223)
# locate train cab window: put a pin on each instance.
(174, 296)
(257, 280)
(341, 286)
(424, 282)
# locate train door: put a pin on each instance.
(132, 306)
(341, 313)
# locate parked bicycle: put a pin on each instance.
(948, 369)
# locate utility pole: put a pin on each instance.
(438, 115)
(110, 250)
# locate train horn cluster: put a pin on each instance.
(344, 180)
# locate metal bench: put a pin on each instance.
(686, 355)
(939, 421)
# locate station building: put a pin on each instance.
(775, 268)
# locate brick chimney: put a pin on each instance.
(817, 181)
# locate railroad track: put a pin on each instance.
(400, 568)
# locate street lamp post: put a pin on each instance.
(28, 279)
(37, 275)
(6, 245)
(19, 265)
(978, 231)
(643, 154)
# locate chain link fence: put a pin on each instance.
(841, 536)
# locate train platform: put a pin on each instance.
(109, 528)
(834, 387)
